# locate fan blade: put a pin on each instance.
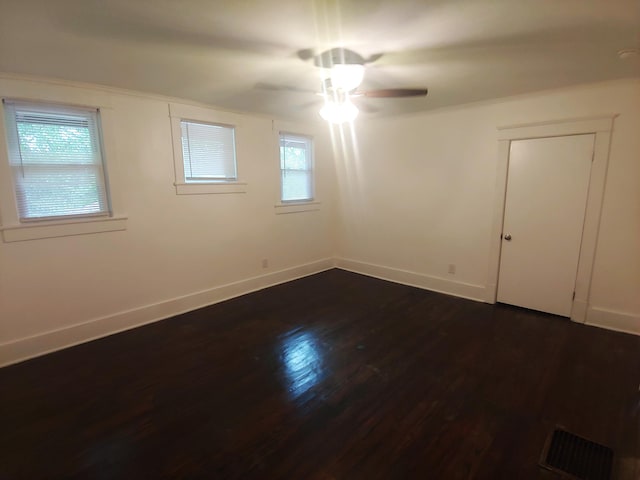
(281, 88)
(394, 93)
(313, 103)
(305, 54)
(373, 58)
(335, 56)
(367, 107)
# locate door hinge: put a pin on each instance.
(574, 296)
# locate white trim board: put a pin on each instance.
(597, 317)
(612, 320)
(601, 126)
(414, 279)
(63, 229)
(47, 342)
(569, 126)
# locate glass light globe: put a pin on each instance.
(339, 112)
(347, 76)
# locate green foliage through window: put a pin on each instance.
(296, 168)
(56, 161)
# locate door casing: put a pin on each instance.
(601, 127)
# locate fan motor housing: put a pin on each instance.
(338, 56)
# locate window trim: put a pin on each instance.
(301, 201)
(177, 114)
(296, 207)
(48, 108)
(11, 228)
(67, 228)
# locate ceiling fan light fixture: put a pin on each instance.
(337, 113)
(347, 76)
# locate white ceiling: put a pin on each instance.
(238, 53)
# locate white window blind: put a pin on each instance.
(296, 167)
(56, 160)
(208, 152)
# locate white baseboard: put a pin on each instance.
(579, 310)
(25, 348)
(611, 320)
(414, 279)
(34, 346)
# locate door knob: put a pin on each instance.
(507, 237)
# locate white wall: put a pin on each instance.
(417, 194)
(411, 196)
(58, 291)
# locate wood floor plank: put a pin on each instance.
(333, 376)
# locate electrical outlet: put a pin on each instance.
(265, 263)
(452, 269)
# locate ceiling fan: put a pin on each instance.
(346, 70)
(343, 71)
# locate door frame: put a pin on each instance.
(601, 127)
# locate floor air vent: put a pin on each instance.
(577, 457)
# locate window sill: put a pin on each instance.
(69, 228)
(296, 207)
(210, 188)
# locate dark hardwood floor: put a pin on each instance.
(334, 376)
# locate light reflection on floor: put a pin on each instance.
(303, 362)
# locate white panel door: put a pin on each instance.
(547, 184)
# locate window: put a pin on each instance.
(205, 151)
(55, 157)
(208, 152)
(296, 168)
